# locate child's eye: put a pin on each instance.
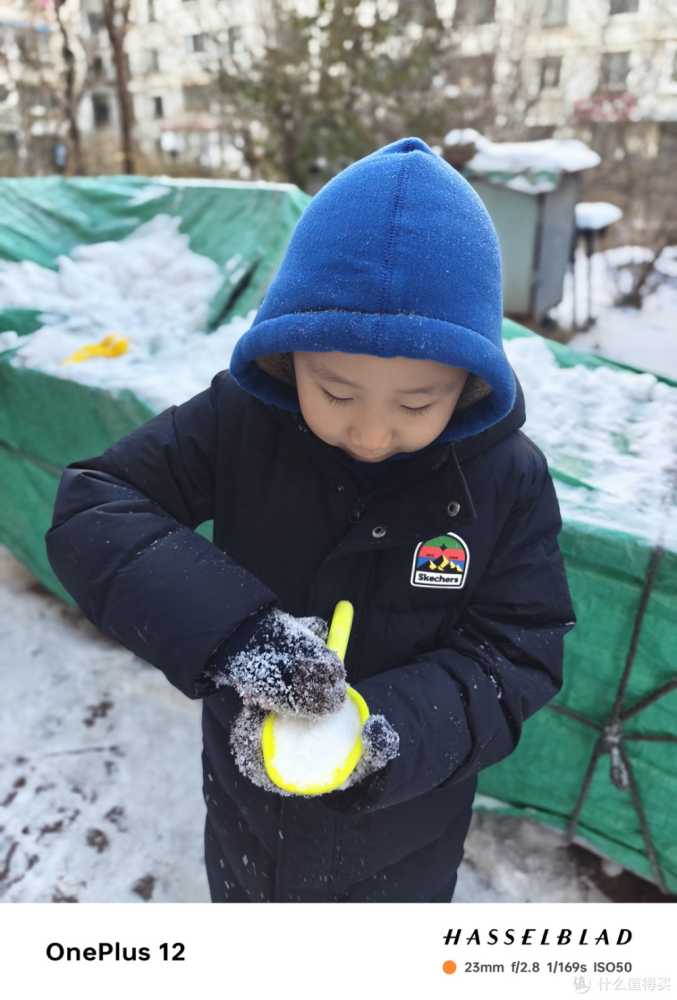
(335, 399)
(348, 399)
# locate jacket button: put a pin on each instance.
(453, 508)
(379, 532)
(340, 487)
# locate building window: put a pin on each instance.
(624, 6)
(151, 11)
(551, 67)
(196, 98)
(615, 67)
(101, 109)
(472, 75)
(674, 67)
(29, 96)
(9, 143)
(474, 11)
(158, 111)
(95, 22)
(98, 68)
(555, 12)
(234, 37)
(27, 44)
(153, 61)
(667, 140)
(198, 43)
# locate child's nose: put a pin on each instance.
(370, 442)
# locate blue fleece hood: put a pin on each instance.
(396, 256)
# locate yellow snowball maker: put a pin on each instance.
(315, 756)
(109, 347)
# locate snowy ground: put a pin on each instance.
(646, 337)
(100, 781)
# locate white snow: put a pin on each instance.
(596, 214)
(511, 859)
(530, 161)
(150, 288)
(309, 752)
(626, 256)
(615, 431)
(646, 337)
(100, 770)
(215, 182)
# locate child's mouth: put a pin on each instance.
(366, 458)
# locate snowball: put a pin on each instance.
(311, 751)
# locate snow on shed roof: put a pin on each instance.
(531, 167)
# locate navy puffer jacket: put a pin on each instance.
(456, 669)
(449, 555)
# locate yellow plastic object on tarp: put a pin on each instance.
(109, 347)
(337, 640)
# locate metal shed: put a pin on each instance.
(530, 190)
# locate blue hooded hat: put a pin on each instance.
(395, 256)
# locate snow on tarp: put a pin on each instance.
(175, 267)
(610, 437)
(150, 288)
(44, 217)
(530, 167)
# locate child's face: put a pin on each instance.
(379, 413)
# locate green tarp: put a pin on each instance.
(46, 422)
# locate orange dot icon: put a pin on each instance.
(449, 967)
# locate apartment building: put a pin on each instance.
(604, 71)
(27, 107)
(540, 67)
(173, 51)
(573, 67)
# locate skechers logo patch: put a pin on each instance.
(440, 562)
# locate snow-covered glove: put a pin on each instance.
(380, 745)
(379, 739)
(285, 666)
(245, 743)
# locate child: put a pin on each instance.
(364, 445)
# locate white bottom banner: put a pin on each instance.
(435, 950)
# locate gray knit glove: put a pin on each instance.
(286, 667)
(380, 743)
